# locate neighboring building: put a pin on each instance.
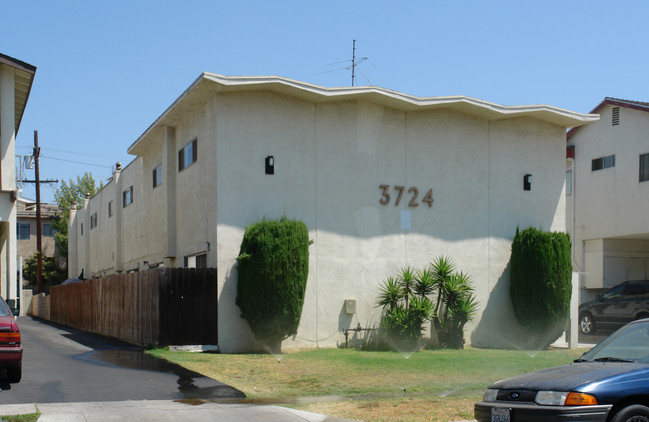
(382, 180)
(26, 229)
(16, 78)
(608, 196)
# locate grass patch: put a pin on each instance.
(438, 385)
(32, 417)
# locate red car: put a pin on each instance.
(11, 351)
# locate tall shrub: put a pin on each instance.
(541, 285)
(273, 266)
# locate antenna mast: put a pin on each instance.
(353, 61)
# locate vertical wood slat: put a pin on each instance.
(165, 306)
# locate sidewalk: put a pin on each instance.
(162, 410)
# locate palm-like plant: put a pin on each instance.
(407, 302)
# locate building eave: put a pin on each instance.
(208, 84)
(23, 80)
(635, 105)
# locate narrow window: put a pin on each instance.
(188, 155)
(81, 229)
(569, 182)
(644, 167)
(615, 116)
(603, 162)
(23, 231)
(157, 176)
(110, 209)
(127, 197)
(93, 221)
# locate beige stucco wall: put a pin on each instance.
(610, 203)
(330, 160)
(8, 256)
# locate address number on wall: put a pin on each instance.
(412, 193)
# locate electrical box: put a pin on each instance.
(350, 306)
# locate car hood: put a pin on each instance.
(581, 376)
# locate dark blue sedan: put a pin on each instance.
(610, 383)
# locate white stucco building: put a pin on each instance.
(608, 196)
(382, 180)
(16, 78)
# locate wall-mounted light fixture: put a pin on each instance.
(527, 182)
(146, 263)
(270, 165)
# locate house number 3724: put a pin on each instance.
(412, 193)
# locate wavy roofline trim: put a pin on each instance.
(398, 100)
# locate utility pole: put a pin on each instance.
(39, 244)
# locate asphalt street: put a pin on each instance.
(62, 365)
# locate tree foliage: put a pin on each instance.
(273, 266)
(65, 196)
(541, 286)
(52, 274)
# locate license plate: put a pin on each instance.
(500, 415)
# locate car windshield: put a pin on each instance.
(628, 344)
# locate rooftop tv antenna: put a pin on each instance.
(355, 63)
(352, 67)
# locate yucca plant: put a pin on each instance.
(437, 293)
(455, 302)
(405, 309)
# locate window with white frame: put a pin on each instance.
(157, 176)
(127, 197)
(188, 155)
(644, 167)
(603, 162)
(196, 261)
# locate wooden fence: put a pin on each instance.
(164, 305)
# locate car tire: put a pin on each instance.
(14, 374)
(633, 413)
(587, 323)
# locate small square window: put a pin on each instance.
(48, 230)
(157, 176)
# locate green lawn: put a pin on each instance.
(373, 386)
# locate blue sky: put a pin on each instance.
(107, 70)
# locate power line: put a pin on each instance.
(77, 162)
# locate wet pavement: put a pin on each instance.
(63, 365)
(70, 375)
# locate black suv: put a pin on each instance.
(620, 304)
